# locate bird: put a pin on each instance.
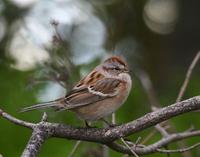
(98, 94)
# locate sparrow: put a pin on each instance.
(98, 94)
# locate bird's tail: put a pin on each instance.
(54, 104)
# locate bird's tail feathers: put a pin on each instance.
(53, 104)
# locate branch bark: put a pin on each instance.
(39, 135)
(44, 130)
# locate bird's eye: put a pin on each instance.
(116, 68)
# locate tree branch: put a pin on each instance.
(179, 150)
(148, 88)
(39, 135)
(15, 120)
(155, 146)
(188, 75)
(45, 130)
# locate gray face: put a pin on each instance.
(115, 68)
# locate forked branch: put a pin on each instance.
(108, 136)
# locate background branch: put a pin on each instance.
(151, 94)
(155, 146)
(188, 75)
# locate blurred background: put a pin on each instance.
(46, 46)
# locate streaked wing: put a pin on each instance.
(102, 89)
(90, 79)
(106, 87)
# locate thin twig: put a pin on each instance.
(162, 130)
(153, 100)
(133, 152)
(155, 146)
(122, 139)
(148, 88)
(105, 151)
(148, 137)
(57, 36)
(15, 120)
(74, 148)
(138, 141)
(44, 117)
(179, 150)
(188, 76)
(182, 91)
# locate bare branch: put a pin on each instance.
(44, 117)
(162, 130)
(179, 150)
(149, 136)
(105, 151)
(153, 100)
(111, 134)
(74, 148)
(155, 146)
(151, 94)
(182, 91)
(187, 78)
(107, 136)
(15, 120)
(132, 151)
(39, 135)
(57, 37)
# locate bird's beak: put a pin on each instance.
(127, 71)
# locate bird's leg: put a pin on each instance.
(109, 124)
(87, 124)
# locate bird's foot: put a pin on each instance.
(87, 125)
(109, 124)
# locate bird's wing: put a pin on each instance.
(102, 89)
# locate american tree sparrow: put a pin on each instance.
(97, 95)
